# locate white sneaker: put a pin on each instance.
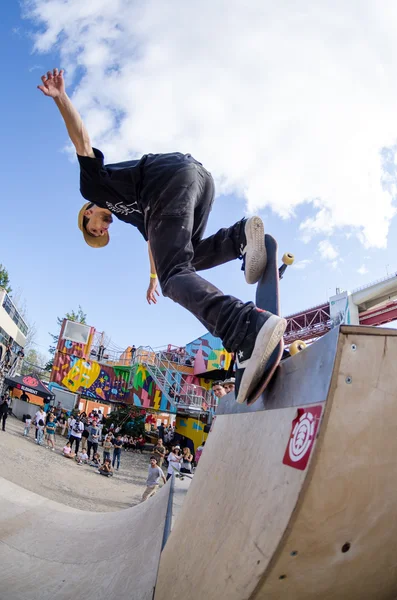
(253, 250)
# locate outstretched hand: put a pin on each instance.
(152, 291)
(53, 84)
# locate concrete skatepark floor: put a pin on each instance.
(54, 477)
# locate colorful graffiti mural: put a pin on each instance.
(115, 383)
(75, 371)
(208, 353)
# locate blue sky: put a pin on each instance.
(44, 252)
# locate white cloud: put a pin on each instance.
(286, 103)
(328, 251)
(362, 270)
(302, 264)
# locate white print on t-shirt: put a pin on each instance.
(124, 209)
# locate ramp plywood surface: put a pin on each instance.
(236, 511)
(53, 552)
(253, 528)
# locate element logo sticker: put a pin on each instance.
(303, 434)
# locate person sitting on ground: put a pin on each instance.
(153, 479)
(67, 451)
(218, 389)
(82, 458)
(140, 443)
(50, 432)
(96, 460)
(126, 443)
(186, 464)
(174, 461)
(28, 423)
(229, 384)
(159, 453)
(106, 468)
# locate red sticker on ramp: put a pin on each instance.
(303, 434)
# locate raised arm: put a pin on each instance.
(54, 87)
(152, 289)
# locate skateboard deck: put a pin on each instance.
(268, 298)
(180, 475)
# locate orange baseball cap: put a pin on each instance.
(92, 240)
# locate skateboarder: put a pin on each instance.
(168, 197)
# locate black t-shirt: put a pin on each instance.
(118, 444)
(126, 188)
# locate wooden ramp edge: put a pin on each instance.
(252, 527)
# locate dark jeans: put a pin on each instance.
(94, 446)
(75, 440)
(4, 419)
(176, 220)
(106, 455)
(116, 456)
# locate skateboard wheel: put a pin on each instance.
(288, 258)
(296, 347)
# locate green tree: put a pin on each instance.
(5, 279)
(34, 362)
(129, 418)
(78, 316)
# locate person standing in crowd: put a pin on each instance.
(28, 423)
(161, 431)
(174, 460)
(107, 447)
(153, 479)
(7, 356)
(40, 414)
(186, 464)
(198, 454)
(62, 424)
(50, 431)
(93, 438)
(85, 434)
(159, 453)
(70, 419)
(3, 411)
(77, 429)
(118, 445)
(40, 431)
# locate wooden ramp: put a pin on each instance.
(253, 527)
(49, 551)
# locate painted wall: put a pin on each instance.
(208, 353)
(114, 383)
(192, 429)
(74, 371)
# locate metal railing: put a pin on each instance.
(162, 370)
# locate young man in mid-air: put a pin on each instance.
(168, 197)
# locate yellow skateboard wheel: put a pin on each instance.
(296, 347)
(288, 258)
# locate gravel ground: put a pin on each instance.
(53, 476)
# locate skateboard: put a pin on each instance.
(180, 475)
(268, 298)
